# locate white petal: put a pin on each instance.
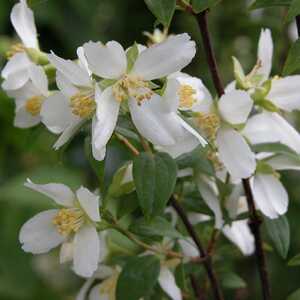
(60, 193)
(84, 289)
(282, 162)
(39, 234)
(23, 94)
(82, 60)
(66, 252)
(265, 53)
(235, 153)
(86, 251)
(19, 62)
(65, 85)
(96, 294)
(239, 233)
(15, 80)
(271, 127)
(188, 247)
(56, 112)
(107, 61)
(24, 119)
(235, 106)
(167, 282)
(270, 196)
(212, 201)
(171, 96)
(285, 91)
(196, 218)
(89, 202)
(39, 79)
(105, 121)
(71, 70)
(151, 120)
(165, 58)
(23, 21)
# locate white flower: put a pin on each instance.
(153, 118)
(30, 98)
(72, 226)
(68, 109)
(15, 72)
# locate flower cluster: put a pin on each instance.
(241, 135)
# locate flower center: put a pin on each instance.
(33, 105)
(17, 48)
(186, 96)
(132, 86)
(209, 123)
(83, 104)
(213, 157)
(68, 220)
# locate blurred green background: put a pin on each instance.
(63, 26)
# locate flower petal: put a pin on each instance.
(285, 91)
(39, 79)
(265, 53)
(86, 251)
(19, 62)
(96, 293)
(167, 282)
(235, 106)
(239, 233)
(24, 119)
(270, 196)
(235, 153)
(282, 162)
(89, 202)
(15, 80)
(70, 70)
(39, 235)
(188, 247)
(107, 61)
(105, 122)
(65, 85)
(22, 19)
(165, 58)
(82, 295)
(58, 192)
(82, 60)
(270, 128)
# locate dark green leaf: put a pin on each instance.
(292, 63)
(137, 278)
(157, 226)
(233, 281)
(279, 232)
(294, 10)
(294, 296)
(269, 3)
(163, 10)
(295, 261)
(155, 178)
(201, 5)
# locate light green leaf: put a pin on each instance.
(295, 261)
(132, 55)
(279, 232)
(233, 281)
(158, 226)
(138, 278)
(155, 178)
(269, 3)
(292, 63)
(293, 11)
(294, 296)
(163, 10)
(201, 5)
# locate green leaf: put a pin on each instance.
(158, 226)
(294, 296)
(201, 5)
(138, 278)
(279, 232)
(132, 55)
(295, 261)
(155, 178)
(163, 10)
(233, 281)
(292, 63)
(293, 11)
(268, 3)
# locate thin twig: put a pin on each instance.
(197, 290)
(127, 143)
(254, 219)
(202, 252)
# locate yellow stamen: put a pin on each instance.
(187, 96)
(132, 86)
(68, 220)
(83, 104)
(209, 123)
(33, 105)
(17, 48)
(213, 157)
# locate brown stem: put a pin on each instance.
(197, 290)
(202, 252)
(298, 24)
(127, 143)
(255, 222)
